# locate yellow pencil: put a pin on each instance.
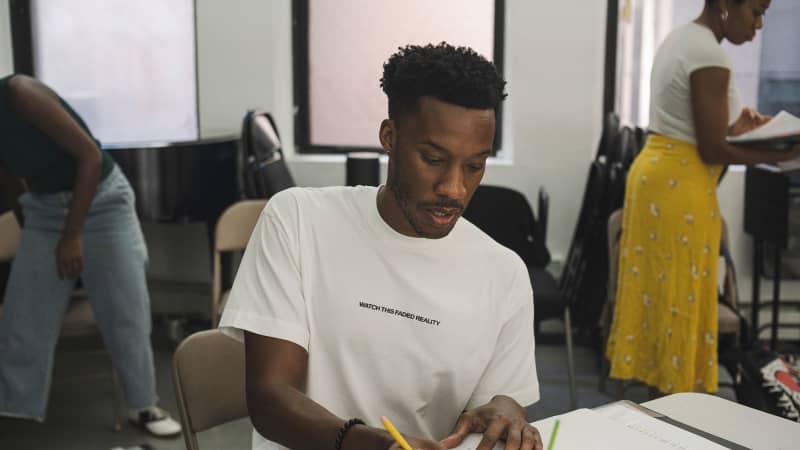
(395, 434)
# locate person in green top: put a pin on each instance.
(80, 221)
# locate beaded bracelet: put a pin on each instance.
(345, 428)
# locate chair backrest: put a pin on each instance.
(208, 371)
(610, 134)
(236, 224)
(10, 234)
(543, 211)
(506, 216)
(614, 231)
(263, 169)
(583, 281)
(232, 233)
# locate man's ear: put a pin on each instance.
(387, 135)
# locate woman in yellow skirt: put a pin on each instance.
(664, 330)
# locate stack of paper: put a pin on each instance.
(780, 133)
(616, 429)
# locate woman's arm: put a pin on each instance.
(709, 92)
(40, 106)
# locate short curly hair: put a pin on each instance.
(456, 75)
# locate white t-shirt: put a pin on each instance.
(686, 49)
(411, 328)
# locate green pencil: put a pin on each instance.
(553, 435)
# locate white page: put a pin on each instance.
(585, 429)
(783, 124)
(658, 430)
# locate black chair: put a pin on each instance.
(506, 216)
(263, 170)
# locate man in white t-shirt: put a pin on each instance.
(360, 302)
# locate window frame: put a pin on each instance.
(301, 82)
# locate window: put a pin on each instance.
(767, 77)
(779, 74)
(340, 48)
(128, 67)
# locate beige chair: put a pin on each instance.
(231, 234)
(208, 371)
(728, 321)
(79, 330)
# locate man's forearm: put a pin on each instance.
(86, 179)
(285, 415)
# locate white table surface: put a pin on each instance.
(729, 420)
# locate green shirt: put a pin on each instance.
(27, 152)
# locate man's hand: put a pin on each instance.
(500, 419)
(747, 121)
(69, 257)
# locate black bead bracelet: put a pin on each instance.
(345, 428)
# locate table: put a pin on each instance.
(729, 420)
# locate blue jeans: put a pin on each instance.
(114, 259)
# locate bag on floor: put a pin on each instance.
(770, 382)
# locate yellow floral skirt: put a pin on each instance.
(664, 330)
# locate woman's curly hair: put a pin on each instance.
(456, 75)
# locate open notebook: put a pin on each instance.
(779, 133)
(616, 427)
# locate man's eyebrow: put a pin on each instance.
(436, 146)
(485, 153)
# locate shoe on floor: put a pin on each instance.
(155, 421)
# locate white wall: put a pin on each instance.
(554, 64)
(555, 54)
(234, 61)
(555, 58)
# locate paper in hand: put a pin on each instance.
(780, 133)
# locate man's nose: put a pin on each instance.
(451, 185)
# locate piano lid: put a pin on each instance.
(181, 181)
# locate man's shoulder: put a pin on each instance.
(481, 244)
(319, 196)
(318, 202)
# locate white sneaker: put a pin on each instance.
(155, 421)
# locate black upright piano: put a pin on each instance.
(187, 181)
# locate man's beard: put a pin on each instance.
(400, 190)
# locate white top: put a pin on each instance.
(686, 49)
(411, 328)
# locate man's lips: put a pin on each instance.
(443, 216)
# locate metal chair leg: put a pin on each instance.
(116, 399)
(573, 394)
